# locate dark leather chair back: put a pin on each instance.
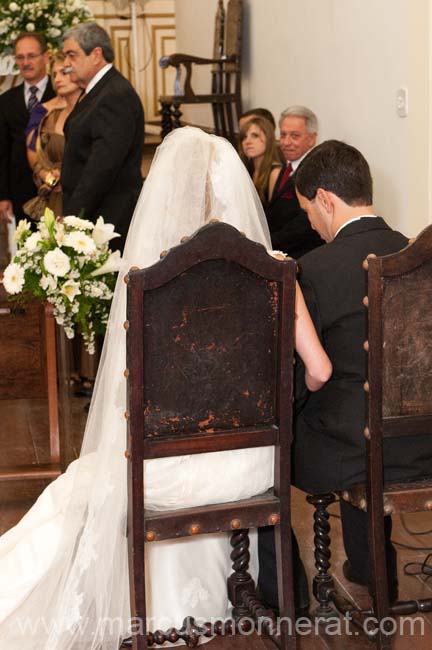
(210, 353)
(399, 417)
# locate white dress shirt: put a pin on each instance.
(98, 76)
(41, 87)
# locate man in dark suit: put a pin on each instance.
(101, 172)
(334, 187)
(16, 179)
(289, 226)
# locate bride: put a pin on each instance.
(64, 569)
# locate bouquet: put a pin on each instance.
(50, 17)
(68, 263)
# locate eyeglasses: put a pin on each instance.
(20, 58)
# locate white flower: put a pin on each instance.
(45, 234)
(53, 32)
(48, 282)
(13, 6)
(30, 27)
(76, 222)
(56, 21)
(56, 262)
(111, 264)
(80, 242)
(71, 289)
(59, 233)
(22, 227)
(32, 243)
(103, 232)
(13, 278)
(94, 289)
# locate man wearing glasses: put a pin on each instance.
(16, 181)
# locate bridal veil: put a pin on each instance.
(63, 568)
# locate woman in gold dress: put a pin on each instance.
(45, 140)
(45, 147)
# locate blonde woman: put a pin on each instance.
(45, 140)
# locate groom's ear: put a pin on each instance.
(324, 199)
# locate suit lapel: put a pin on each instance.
(87, 99)
(286, 187)
(106, 79)
(276, 190)
(20, 105)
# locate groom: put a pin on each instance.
(101, 172)
(334, 187)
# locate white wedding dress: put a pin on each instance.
(63, 568)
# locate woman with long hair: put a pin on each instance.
(260, 154)
(64, 567)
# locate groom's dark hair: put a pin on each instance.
(336, 167)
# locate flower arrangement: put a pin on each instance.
(50, 17)
(66, 261)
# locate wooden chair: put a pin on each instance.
(399, 390)
(218, 285)
(28, 370)
(225, 76)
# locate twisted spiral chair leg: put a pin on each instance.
(176, 113)
(323, 582)
(240, 581)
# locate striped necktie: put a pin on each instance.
(33, 100)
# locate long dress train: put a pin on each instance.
(63, 568)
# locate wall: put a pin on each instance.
(345, 59)
(155, 30)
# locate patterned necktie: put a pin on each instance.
(33, 100)
(285, 176)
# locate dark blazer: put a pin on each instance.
(101, 172)
(16, 178)
(329, 443)
(289, 225)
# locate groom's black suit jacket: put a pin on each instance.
(329, 443)
(16, 178)
(101, 173)
(289, 225)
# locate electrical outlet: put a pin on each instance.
(402, 102)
